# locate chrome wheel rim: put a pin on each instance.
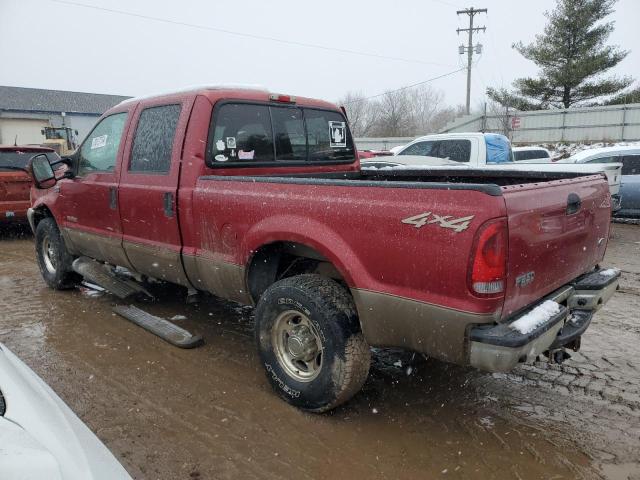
(48, 255)
(297, 345)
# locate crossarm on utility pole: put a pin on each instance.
(469, 49)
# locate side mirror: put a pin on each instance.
(42, 173)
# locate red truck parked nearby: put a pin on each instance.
(15, 181)
(259, 198)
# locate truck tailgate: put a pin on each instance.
(557, 231)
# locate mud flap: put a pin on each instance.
(159, 326)
(99, 274)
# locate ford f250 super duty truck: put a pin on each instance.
(259, 198)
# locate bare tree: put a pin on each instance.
(399, 113)
(425, 103)
(361, 112)
(395, 115)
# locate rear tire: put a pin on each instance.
(53, 257)
(310, 342)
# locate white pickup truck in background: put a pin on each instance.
(486, 151)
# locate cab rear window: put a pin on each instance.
(245, 134)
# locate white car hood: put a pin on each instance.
(39, 433)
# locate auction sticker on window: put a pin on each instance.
(338, 134)
(99, 142)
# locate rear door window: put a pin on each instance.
(426, 149)
(456, 150)
(153, 141)
(631, 165)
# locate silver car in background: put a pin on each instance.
(629, 156)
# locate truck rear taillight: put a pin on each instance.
(488, 268)
(275, 97)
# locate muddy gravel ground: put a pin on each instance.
(209, 413)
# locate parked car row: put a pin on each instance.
(621, 164)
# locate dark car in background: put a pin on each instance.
(15, 181)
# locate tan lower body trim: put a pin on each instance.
(223, 279)
(157, 262)
(391, 321)
(100, 247)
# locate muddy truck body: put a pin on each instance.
(259, 198)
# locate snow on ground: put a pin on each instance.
(609, 272)
(559, 151)
(536, 317)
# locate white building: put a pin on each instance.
(24, 112)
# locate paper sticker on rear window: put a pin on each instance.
(337, 134)
(99, 142)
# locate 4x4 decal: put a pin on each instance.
(445, 221)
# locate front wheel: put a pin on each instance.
(310, 343)
(53, 258)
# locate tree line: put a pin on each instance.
(401, 113)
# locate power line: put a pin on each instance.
(249, 35)
(406, 87)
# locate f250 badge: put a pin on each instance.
(445, 221)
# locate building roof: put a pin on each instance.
(55, 101)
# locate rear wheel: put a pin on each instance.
(53, 258)
(310, 343)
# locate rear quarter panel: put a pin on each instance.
(358, 228)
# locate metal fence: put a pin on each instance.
(381, 143)
(590, 124)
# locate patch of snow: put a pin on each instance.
(398, 363)
(375, 410)
(536, 317)
(609, 272)
(178, 317)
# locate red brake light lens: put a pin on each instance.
(275, 97)
(488, 269)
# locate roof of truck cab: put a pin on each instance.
(230, 91)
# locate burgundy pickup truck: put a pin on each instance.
(259, 198)
(15, 181)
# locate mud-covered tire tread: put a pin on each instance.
(326, 295)
(65, 278)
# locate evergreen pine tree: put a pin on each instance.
(573, 56)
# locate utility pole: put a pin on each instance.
(469, 48)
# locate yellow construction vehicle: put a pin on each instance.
(61, 139)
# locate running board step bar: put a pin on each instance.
(101, 275)
(159, 326)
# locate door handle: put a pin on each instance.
(168, 204)
(113, 198)
(573, 203)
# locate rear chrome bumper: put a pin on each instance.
(499, 348)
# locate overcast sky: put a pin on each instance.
(54, 45)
